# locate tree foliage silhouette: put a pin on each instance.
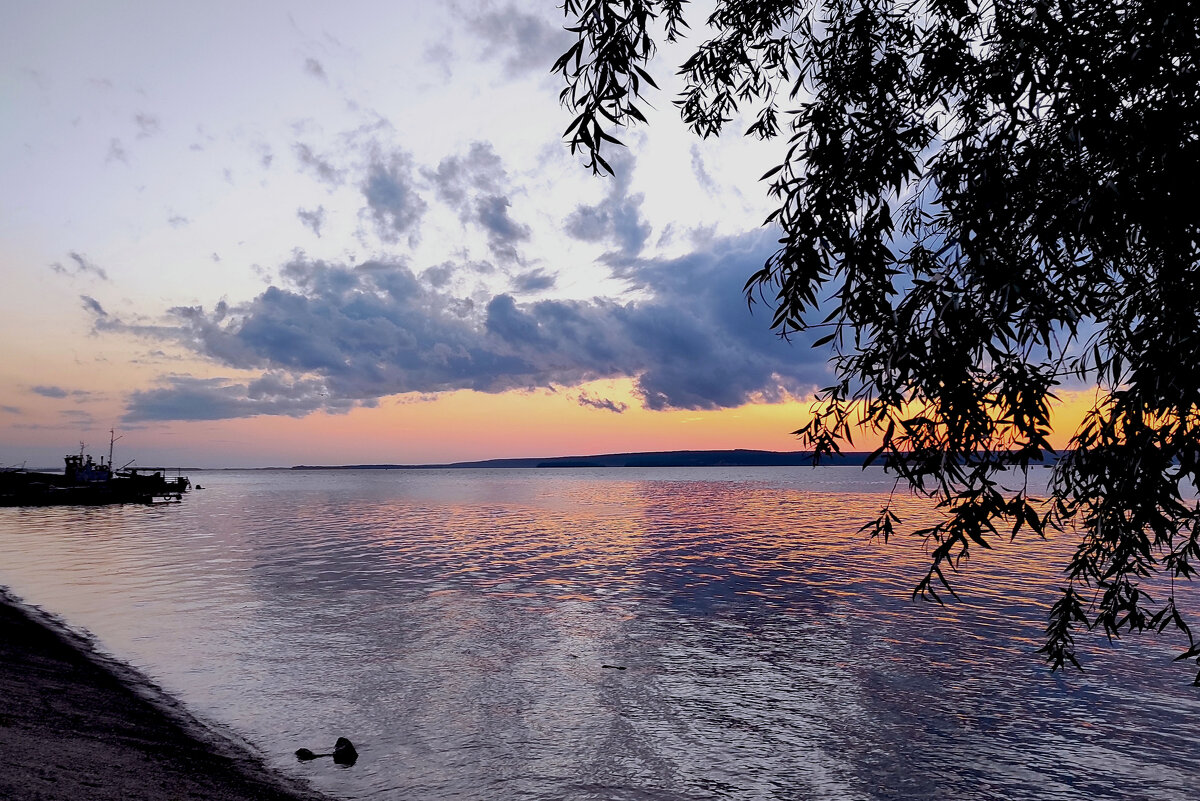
(980, 201)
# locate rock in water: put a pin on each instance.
(344, 753)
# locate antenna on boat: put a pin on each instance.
(112, 438)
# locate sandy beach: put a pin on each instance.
(77, 725)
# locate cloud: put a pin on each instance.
(80, 265)
(534, 281)
(10, 409)
(183, 397)
(178, 221)
(457, 177)
(527, 43)
(93, 306)
(701, 172)
(315, 69)
(147, 124)
(440, 274)
(617, 219)
(80, 417)
(116, 152)
(337, 335)
(313, 218)
(392, 198)
(475, 185)
(503, 233)
(321, 166)
(604, 404)
(58, 393)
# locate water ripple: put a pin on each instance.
(457, 625)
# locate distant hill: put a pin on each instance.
(733, 458)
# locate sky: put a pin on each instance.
(271, 233)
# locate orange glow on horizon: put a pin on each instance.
(469, 426)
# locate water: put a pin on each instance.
(456, 626)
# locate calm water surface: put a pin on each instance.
(455, 626)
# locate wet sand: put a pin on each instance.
(77, 725)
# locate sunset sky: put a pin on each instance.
(249, 234)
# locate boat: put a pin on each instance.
(86, 482)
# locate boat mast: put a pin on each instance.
(112, 438)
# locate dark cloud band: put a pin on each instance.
(338, 336)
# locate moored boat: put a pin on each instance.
(85, 482)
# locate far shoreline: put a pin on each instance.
(736, 457)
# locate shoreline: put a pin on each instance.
(75, 723)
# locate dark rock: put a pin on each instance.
(344, 753)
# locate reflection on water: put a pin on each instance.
(455, 626)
